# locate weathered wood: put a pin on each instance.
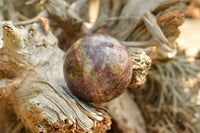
(141, 66)
(124, 20)
(131, 120)
(33, 81)
(153, 28)
(36, 63)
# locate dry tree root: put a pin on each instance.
(131, 21)
(32, 85)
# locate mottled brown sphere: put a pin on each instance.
(97, 68)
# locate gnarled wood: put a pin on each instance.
(32, 65)
(125, 20)
(41, 98)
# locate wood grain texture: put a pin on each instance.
(34, 84)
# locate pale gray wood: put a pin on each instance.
(36, 61)
(135, 10)
(42, 100)
(130, 109)
(154, 29)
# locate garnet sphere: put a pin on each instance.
(97, 68)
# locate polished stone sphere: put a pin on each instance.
(97, 68)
